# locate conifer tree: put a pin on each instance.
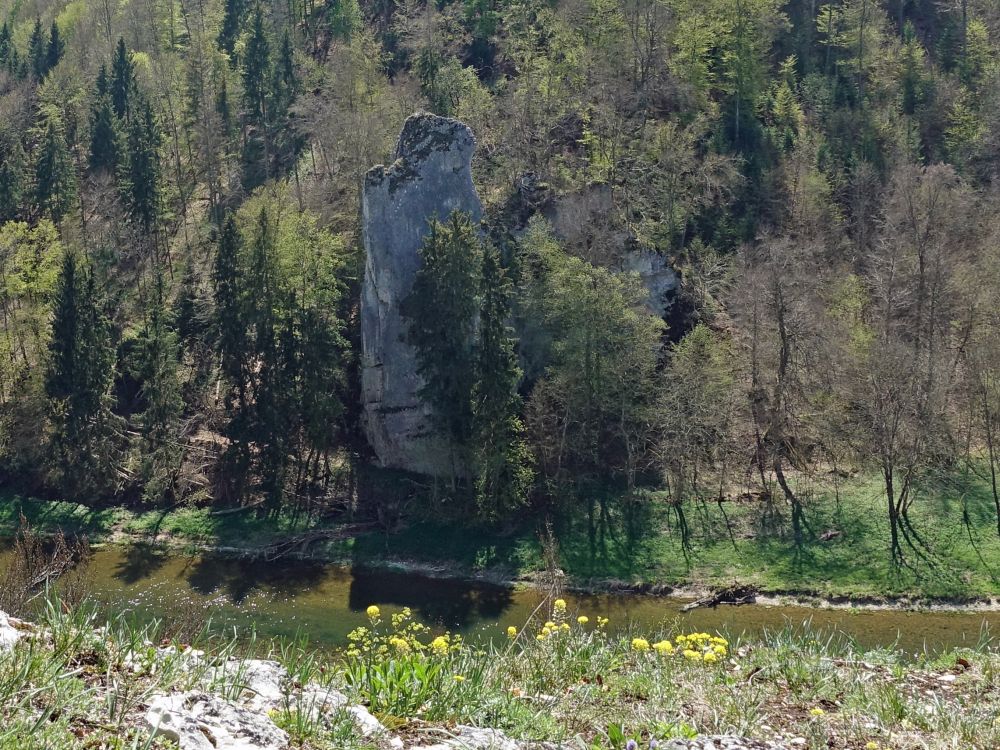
(502, 457)
(232, 21)
(441, 310)
(6, 45)
(229, 328)
(234, 354)
(122, 79)
(38, 51)
(55, 178)
(103, 127)
(10, 60)
(156, 369)
(55, 49)
(257, 71)
(78, 381)
(140, 175)
(11, 177)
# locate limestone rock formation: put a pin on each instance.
(199, 721)
(9, 635)
(430, 177)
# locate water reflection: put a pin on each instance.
(238, 579)
(139, 561)
(458, 604)
(324, 603)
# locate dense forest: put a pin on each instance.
(180, 253)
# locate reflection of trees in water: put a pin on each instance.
(455, 604)
(238, 578)
(140, 561)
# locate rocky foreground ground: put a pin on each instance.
(563, 683)
(233, 702)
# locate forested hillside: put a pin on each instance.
(181, 256)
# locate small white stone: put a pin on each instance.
(9, 635)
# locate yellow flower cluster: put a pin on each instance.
(404, 637)
(698, 647)
(558, 624)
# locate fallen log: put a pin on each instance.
(734, 595)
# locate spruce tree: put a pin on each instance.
(232, 21)
(441, 310)
(55, 49)
(103, 127)
(38, 51)
(257, 80)
(234, 355)
(267, 425)
(139, 182)
(6, 45)
(55, 178)
(229, 327)
(12, 161)
(502, 457)
(122, 79)
(155, 368)
(257, 71)
(77, 381)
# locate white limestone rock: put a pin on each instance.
(9, 635)
(260, 682)
(198, 721)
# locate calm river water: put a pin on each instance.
(324, 603)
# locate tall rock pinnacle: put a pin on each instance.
(430, 177)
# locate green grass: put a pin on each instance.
(957, 557)
(68, 686)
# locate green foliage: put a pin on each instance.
(442, 309)
(139, 175)
(122, 84)
(502, 457)
(55, 175)
(590, 412)
(85, 438)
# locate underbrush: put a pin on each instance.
(561, 677)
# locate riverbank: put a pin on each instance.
(841, 560)
(560, 681)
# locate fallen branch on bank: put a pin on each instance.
(734, 595)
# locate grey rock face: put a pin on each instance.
(430, 177)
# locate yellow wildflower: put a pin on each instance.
(399, 644)
(511, 632)
(459, 678)
(691, 655)
(663, 648)
(816, 712)
(559, 604)
(373, 612)
(719, 649)
(601, 621)
(550, 624)
(710, 657)
(546, 630)
(640, 644)
(871, 746)
(583, 619)
(440, 644)
(564, 626)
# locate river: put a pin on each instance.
(325, 602)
